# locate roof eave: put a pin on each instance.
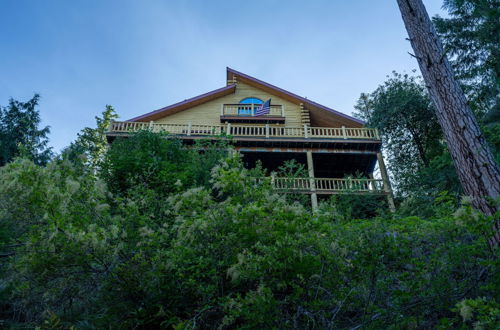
(200, 99)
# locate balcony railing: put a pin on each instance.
(248, 110)
(327, 185)
(238, 130)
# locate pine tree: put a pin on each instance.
(20, 134)
(471, 38)
(476, 167)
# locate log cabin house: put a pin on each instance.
(332, 145)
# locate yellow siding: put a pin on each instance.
(209, 113)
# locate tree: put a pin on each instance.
(91, 143)
(402, 111)
(160, 163)
(471, 36)
(20, 133)
(476, 167)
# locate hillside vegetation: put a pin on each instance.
(149, 242)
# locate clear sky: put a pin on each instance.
(140, 55)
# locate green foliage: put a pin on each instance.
(472, 40)
(19, 132)
(230, 254)
(401, 109)
(482, 313)
(419, 162)
(157, 162)
(292, 169)
(352, 205)
(145, 159)
(91, 143)
(492, 134)
(345, 207)
(37, 206)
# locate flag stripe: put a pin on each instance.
(264, 109)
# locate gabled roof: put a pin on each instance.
(310, 105)
(320, 114)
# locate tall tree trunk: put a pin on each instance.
(474, 162)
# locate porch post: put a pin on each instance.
(312, 183)
(387, 183)
(372, 184)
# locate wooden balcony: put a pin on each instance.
(328, 186)
(244, 113)
(247, 131)
(248, 110)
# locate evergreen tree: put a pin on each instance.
(20, 133)
(471, 37)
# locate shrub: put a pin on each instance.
(230, 254)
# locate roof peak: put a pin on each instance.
(312, 106)
(230, 73)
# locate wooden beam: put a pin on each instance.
(312, 183)
(300, 150)
(387, 183)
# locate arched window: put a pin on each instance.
(251, 100)
(251, 103)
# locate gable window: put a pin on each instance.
(248, 106)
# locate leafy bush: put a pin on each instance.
(228, 254)
(346, 207)
(292, 169)
(159, 162)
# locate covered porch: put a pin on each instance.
(325, 172)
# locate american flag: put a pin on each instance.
(264, 109)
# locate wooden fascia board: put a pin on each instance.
(186, 104)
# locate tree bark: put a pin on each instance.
(473, 160)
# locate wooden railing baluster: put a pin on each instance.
(329, 185)
(267, 130)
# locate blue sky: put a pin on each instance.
(142, 55)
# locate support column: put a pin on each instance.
(372, 184)
(312, 183)
(387, 183)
